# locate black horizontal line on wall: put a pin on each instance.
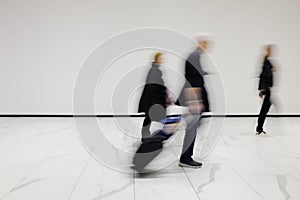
(138, 115)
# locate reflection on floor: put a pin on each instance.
(44, 158)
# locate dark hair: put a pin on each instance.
(267, 48)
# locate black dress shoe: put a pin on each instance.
(190, 163)
(260, 132)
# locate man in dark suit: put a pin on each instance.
(194, 96)
(153, 99)
(264, 87)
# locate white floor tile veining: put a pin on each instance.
(44, 158)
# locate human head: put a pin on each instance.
(269, 50)
(203, 40)
(158, 58)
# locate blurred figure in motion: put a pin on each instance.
(194, 96)
(153, 99)
(264, 87)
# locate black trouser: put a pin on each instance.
(264, 110)
(155, 113)
(146, 126)
(193, 122)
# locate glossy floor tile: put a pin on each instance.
(49, 158)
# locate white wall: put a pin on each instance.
(43, 43)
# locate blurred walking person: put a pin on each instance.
(194, 96)
(264, 87)
(154, 95)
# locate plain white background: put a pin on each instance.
(43, 44)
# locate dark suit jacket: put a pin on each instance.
(154, 91)
(266, 75)
(194, 78)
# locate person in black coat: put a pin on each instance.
(154, 95)
(264, 86)
(194, 96)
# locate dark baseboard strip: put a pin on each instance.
(240, 116)
(136, 115)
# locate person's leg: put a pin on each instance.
(193, 122)
(156, 113)
(264, 110)
(146, 127)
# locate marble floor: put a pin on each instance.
(46, 158)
